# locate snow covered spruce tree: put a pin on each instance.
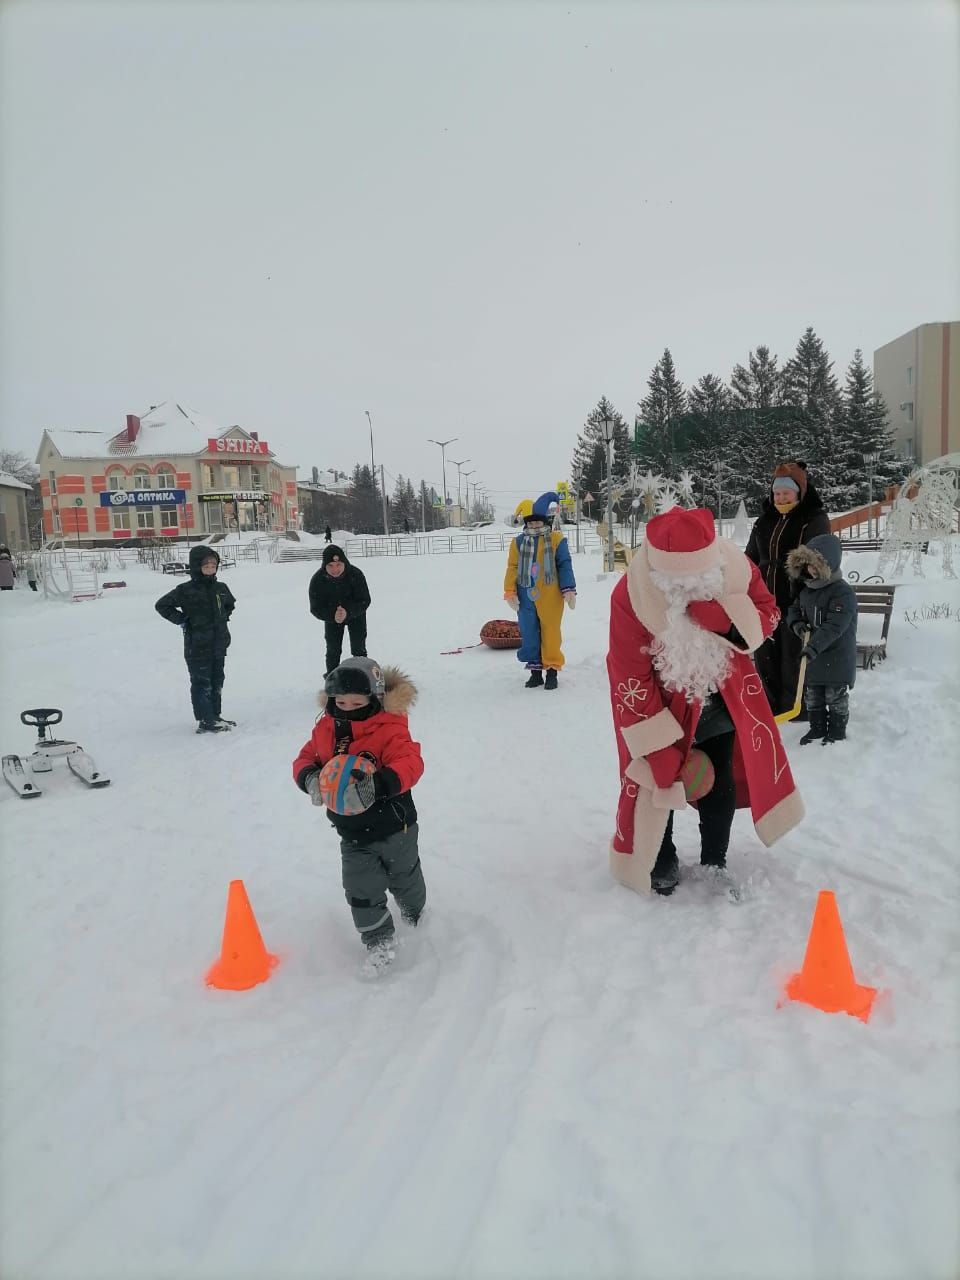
(588, 467)
(809, 385)
(659, 410)
(708, 442)
(862, 427)
(758, 384)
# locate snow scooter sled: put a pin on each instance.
(45, 752)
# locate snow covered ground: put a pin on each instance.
(559, 1078)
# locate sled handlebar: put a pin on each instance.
(41, 716)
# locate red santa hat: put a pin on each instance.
(682, 541)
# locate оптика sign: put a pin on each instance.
(143, 497)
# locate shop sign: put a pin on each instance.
(257, 448)
(143, 497)
(235, 495)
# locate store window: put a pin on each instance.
(141, 479)
(166, 480)
(121, 519)
(214, 517)
(145, 519)
(231, 477)
(168, 518)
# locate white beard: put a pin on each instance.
(689, 659)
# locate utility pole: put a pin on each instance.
(383, 495)
(458, 465)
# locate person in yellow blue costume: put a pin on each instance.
(538, 582)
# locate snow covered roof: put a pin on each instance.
(11, 482)
(167, 429)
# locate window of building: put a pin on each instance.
(166, 480)
(145, 519)
(121, 519)
(910, 375)
(141, 480)
(231, 477)
(255, 481)
(53, 482)
(57, 526)
(168, 518)
(206, 472)
(909, 408)
(116, 481)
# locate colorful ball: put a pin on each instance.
(697, 774)
(338, 790)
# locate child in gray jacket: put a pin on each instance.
(825, 605)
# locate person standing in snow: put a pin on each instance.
(203, 607)
(327, 534)
(684, 619)
(791, 516)
(365, 713)
(538, 583)
(31, 574)
(8, 570)
(826, 607)
(340, 597)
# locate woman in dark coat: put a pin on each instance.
(340, 598)
(791, 515)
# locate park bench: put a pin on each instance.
(175, 566)
(873, 598)
(861, 544)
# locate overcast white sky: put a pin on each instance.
(471, 219)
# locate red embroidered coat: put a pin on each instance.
(655, 728)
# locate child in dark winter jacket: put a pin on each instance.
(202, 607)
(340, 598)
(827, 607)
(365, 714)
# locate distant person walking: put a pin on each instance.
(8, 572)
(327, 534)
(340, 598)
(791, 515)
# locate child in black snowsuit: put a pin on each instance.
(202, 607)
(340, 598)
(827, 607)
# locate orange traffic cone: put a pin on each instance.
(826, 980)
(244, 960)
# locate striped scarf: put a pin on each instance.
(527, 554)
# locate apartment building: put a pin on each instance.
(918, 375)
(169, 473)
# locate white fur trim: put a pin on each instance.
(650, 735)
(630, 871)
(683, 562)
(672, 797)
(783, 817)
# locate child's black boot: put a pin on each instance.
(818, 726)
(535, 681)
(551, 679)
(836, 726)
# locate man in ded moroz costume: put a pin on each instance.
(684, 620)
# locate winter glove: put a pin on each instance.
(379, 785)
(807, 652)
(799, 628)
(710, 616)
(665, 765)
(311, 786)
(570, 599)
(513, 602)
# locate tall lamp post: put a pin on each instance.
(77, 504)
(871, 460)
(458, 465)
(443, 463)
(373, 475)
(466, 489)
(609, 427)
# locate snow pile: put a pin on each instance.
(558, 1078)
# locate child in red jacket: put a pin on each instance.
(366, 714)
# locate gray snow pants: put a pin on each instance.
(372, 867)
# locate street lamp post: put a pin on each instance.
(871, 460)
(609, 427)
(373, 474)
(77, 504)
(443, 463)
(458, 465)
(466, 489)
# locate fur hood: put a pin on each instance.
(822, 554)
(400, 693)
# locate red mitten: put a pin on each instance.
(665, 765)
(710, 615)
